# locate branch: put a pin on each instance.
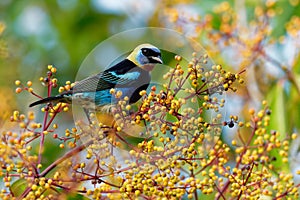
(65, 157)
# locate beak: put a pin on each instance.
(157, 59)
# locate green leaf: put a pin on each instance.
(287, 12)
(296, 66)
(18, 187)
(293, 105)
(76, 196)
(277, 100)
(278, 122)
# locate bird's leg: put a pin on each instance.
(146, 127)
(110, 127)
(87, 113)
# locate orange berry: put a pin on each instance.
(251, 111)
(29, 83)
(153, 88)
(19, 90)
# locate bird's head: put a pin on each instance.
(146, 56)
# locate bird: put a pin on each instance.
(130, 76)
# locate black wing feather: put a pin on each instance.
(106, 79)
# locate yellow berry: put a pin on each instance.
(178, 58)
(137, 192)
(61, 89)
(294, 136)
(17, 82)
(128, 107)
(241, 124)
(264, 102)
(16, 115)
(45, 132)
(82, 165)
(53, 69)
(88, 156)
(233, 142)
(30, 90)
(66, 108)
(112, 91)
(54, 81)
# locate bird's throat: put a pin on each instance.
(147, 67)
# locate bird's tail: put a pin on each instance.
(58, 98)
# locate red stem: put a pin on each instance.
(238, 163)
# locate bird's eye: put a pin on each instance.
(145, 51)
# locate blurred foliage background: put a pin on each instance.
(261, 36)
